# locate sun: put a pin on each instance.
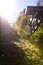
(6, 9)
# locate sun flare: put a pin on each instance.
(6, 9)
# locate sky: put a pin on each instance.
(10, 9)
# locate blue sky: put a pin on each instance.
(11, 8)
(20, 5)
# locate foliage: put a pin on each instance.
(22, 25)
(37, 37)
(32, 52)
(32, 45)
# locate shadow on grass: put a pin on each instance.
(11, 54)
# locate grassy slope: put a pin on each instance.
(27, 50)
(31, 45)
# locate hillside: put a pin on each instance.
(30, 43)
(23, 44)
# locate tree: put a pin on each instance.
(39, 3)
